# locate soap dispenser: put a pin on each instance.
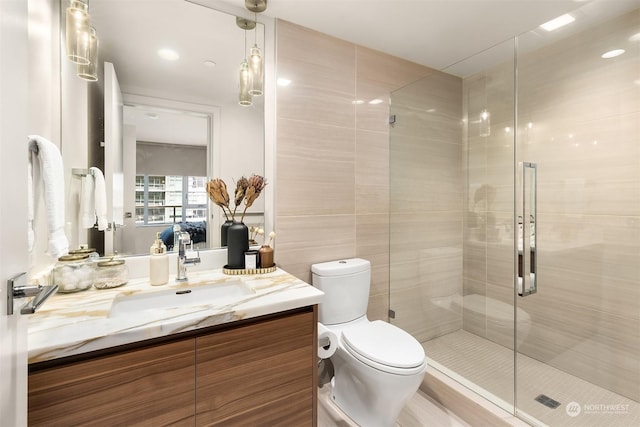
(158, 263)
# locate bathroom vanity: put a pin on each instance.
(243, 356)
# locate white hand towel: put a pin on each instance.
(87, 202)
(100, 197)
(47, 172)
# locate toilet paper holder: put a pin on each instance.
(324, 342)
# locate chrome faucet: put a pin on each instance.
(183, 240)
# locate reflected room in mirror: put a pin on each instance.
(162, 119)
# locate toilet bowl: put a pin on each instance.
(378, 367)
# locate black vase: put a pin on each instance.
(237, 244)
(224, 229)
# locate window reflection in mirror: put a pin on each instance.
(166, 184)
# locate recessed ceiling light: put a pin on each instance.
(168, 54)
(283, 82)
(558, 22)
(376, 101)
(153, 116)
(635, 38)
(209, 63)
(357, 102)
(613, 53)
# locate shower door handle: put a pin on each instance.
(527, 224)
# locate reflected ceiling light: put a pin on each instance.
(89, 71)
(558, 22)
(613, 53)
(635, 38)
(357, 102)
(376, 101)
(209, 63)
(77, 32)
(168, 54)
(152, 116)
(485, 122)
(283, 82)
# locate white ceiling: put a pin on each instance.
(435, 33)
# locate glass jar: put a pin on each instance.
(111, 274)
(93, 254)
(73, 273)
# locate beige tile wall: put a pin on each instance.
(332, 181)
(585, 138)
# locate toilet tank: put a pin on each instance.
(345, 284)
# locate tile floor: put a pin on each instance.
(421, 411)
(490, 366)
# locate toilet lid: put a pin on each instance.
(384, 343)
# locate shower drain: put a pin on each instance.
(547, 401)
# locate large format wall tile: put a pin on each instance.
(306, 240)
(316, 166)
(372, 172)
(332, 189)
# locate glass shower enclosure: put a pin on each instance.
(515, 220)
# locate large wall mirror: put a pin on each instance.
(167, 97)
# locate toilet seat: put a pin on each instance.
(384, 347)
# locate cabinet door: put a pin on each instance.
(258, 375)
(152, 386)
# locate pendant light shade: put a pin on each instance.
(255, 66)
(245, 84)
(77, 32)
(89, 71)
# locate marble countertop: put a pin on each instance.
(76, 323)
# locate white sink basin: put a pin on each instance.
(215, 294)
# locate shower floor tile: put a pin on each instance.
(490, 366)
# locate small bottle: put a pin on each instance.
(158, 263)
(266, 256)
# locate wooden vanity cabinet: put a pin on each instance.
(150, 386)
(255, 373)
(261, 375)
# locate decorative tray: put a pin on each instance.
(239, 271)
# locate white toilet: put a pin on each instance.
(378, 367)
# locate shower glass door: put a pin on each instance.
(515, 220)
(452, 220)
(578, 121)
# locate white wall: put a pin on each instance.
(44, 99)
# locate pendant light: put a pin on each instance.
(245, 84)
(255, 64)
(77, 32)
(89, 71)
(245, 79)
(255, 55)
